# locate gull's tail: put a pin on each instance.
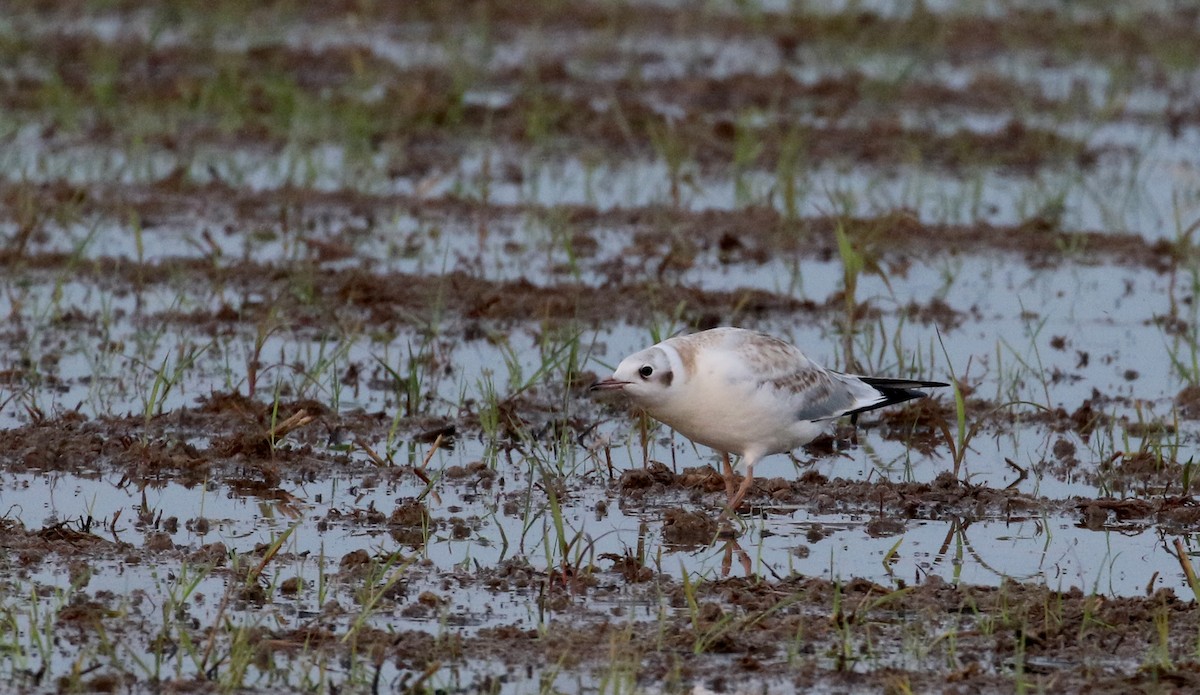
(893, 391)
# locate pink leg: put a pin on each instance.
(735, 500)
(728, 469)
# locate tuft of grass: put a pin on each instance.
(673, 148)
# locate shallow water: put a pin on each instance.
(549, 539)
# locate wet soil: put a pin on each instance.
(328, 222)
(450, 268)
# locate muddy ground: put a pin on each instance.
(301, 306)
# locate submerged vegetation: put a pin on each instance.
(302, 301)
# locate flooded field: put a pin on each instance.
(302, 304)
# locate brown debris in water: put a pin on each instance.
(797, 633)
(686, 528)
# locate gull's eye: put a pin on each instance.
(646, 371)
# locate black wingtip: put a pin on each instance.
(882, 382)
(894, 391)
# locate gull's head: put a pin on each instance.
(644, 376)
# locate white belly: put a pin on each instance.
(738, 421)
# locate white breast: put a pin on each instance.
(716, 407)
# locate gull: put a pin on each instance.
(743, 392)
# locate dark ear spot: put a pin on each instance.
(667, 376)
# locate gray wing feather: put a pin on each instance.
(812, 392)
(815, 394)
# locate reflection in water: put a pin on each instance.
(731, 548)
